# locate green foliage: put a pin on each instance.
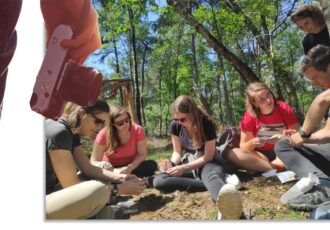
(165, 54)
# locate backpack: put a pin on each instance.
(228, 139)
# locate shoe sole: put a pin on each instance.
(230, 205)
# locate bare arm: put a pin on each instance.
(140, 156)
(95, 172)
(97, 153)
(64, 167)
(209, 149)
(316, 112)
(248, 142)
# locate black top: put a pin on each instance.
(311, 40)
(185, 141)
(58, 136)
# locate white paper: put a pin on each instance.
(286, 176)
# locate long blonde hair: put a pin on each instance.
(187, 105)
(112, 136)
(250, 93)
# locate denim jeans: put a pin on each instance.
(9, 13)
(308, 158)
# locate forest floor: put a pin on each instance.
(261, 201)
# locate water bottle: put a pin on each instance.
(302, 186)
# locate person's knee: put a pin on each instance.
(281, 146)
(160, 180)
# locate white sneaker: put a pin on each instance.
(234, 180)
(229, 203)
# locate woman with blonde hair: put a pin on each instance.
(310, 19)
(123, 144)
(67, 196)
(194, 132)
(261, 127)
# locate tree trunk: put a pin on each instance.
(134, 65)
(244, 70)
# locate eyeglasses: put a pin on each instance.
(98, 121)
(122, 122)
(182, 120)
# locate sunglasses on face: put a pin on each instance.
(98, 121)
(122, 122)
(182, 120)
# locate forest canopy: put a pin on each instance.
(207, 49)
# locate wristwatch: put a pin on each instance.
(303, 134)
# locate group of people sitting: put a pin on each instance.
(271, 139)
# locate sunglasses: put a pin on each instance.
(122, 122)
(98, 121)
(182, 120)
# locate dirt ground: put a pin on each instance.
(261, 200)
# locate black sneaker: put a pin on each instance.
(317, 196)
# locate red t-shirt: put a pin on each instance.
(125, 154)
(267, 125)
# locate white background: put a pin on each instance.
(22, 146)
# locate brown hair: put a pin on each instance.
(309, 11)
(250, 100)
(112, 136)
(70, 113)
(187, 105)
(317, 57)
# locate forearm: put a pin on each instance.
(248, 145)
(137, 161)
(316, 111)
(320, 137)
(176, 158)
(198, 163)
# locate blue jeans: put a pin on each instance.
(9, 13)
(321, 213)
(308, 158)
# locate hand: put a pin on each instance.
(87, 38)
(289, 132)
(124, 170)
(132, 187)
(258, 142)
(164, 165)
(274, 139)
(296, 140)
(127, 177)
(176, 171)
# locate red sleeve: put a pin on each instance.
(288, 114)
(247, 123)
(140, 133)
(100, 138)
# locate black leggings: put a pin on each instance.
(145, 169)
(212, 179)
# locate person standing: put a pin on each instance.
(310, 19)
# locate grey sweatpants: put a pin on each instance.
(308, 158)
